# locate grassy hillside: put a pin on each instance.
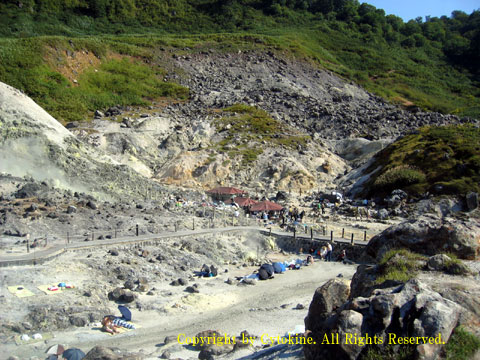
(433, 64)
(441, 160)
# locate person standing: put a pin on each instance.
(329, 252)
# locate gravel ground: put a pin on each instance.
(269, 307)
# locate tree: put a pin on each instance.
(390, 34)
(322, 6)
(348, 12)
(98, 8)
(434, 30)
(395, 21)
(365, 8)
(409, 42)
(420, 40)
(456, 46)
(410, 28)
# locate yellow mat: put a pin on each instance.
(121, 330)
(60, 290)
(20, 291)
(45, 336)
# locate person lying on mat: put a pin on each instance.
(109, 326)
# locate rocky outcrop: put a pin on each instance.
(364, 281)
(472, 201)
(33, 143)
(52, 317)
(429, 235)
(381, 320)
(123, 295)
(104, 353)
(327, 298)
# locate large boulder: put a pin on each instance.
(121, 295)
(327, 298)
(409, 310)
(472, 201)
(210, 351)
(429, 235)
(438, 262)
(382, 214)
(396, 198)
(30, 190)
(104, 353)
(364, 281)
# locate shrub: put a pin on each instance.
(398, 177)
(399, 265)
(389, 352)
(455, 266)
(462, 345)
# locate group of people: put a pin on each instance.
(326, 251)
(293, 214)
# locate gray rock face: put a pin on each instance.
(396, 198)
(408, 310)
(437, 262)
(382, 214)
(326, 299)
(429, 235)
(129, 284)
(290, 89)
(210, 351)
(472, 201)
(363, 282)
(104, 353)
(54, 317)
(92, 205)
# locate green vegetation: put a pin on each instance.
(245, 127)
(249, 124)
(398, 177)
(116, 82)
(400, 265)
(433, 64)
(462, 345)
(27, 65)
(455, 266)
(389, 352)
(436, 159)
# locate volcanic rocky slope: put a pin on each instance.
(282, 125)
(313, 126)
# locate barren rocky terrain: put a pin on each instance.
(148, 168)
(160, 309)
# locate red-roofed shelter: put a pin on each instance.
(224, 193)
(266, 206)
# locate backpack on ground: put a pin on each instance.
(205, 271)
(213, 271)
(268, 268)
(279, 267)
(262, 274)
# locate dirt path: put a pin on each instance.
(227, 308)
